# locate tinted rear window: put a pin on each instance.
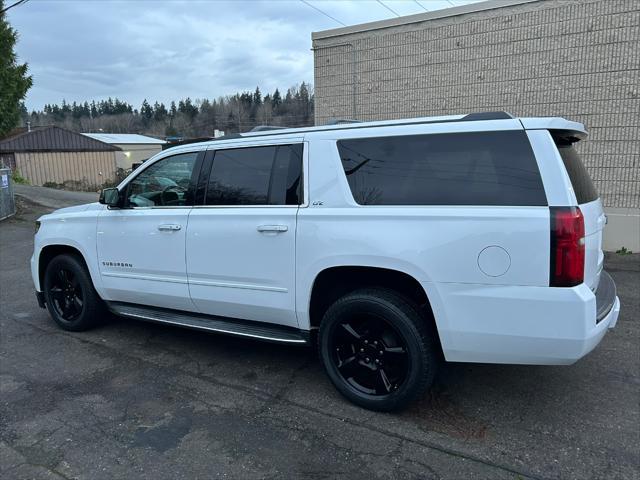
(580, 180)
(477, 168)
(256, 176)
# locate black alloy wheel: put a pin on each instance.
(370, 354)
(66, 295)
(378, 350)
(69, 294)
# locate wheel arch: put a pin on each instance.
(336, 281)
(50, 251)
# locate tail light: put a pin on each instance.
(567, 247)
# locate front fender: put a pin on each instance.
(76, 231)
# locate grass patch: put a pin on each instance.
(18, 179)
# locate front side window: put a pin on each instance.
(256, 176)
(163, 184)
(474, 168)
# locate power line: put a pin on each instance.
(422, 6)
(323, 13)
(19, 2)
(388, 8)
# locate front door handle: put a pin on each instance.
(169, 227)
(273, 228)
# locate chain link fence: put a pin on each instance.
(7, 199)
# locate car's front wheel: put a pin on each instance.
(377, 349)
(69, 294)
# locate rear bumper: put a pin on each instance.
(605, 296)
(523, 325)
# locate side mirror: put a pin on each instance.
(110, 197)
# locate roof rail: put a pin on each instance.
(486, 116)
(265, 128)
(340, 121)
(338, 124)
(228, 136)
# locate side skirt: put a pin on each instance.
(262, 331)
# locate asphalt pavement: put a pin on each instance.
(140, 400)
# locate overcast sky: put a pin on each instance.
(170, 49)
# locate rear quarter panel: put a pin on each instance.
(432, 244)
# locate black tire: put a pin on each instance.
(383, 379)
(71, 299)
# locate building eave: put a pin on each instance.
(417, 18)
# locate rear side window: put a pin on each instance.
(256, 176)
(477, 168)
(580, 180)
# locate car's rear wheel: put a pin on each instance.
(377, 349)
(69, 294)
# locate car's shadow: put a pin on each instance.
(461, 400)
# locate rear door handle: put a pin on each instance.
(169, 227)
(273, 228)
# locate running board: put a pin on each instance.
(243, 328)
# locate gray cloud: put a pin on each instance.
(170, 49)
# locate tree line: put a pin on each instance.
(186, 118)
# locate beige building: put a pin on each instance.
(56, 157)
(135, 148)
(578, 59)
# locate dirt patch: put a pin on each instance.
(27, 208)
(26, 211)
(438, 412)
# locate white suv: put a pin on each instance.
(476, 238)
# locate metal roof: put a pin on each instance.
(125, 138)
(51, 139)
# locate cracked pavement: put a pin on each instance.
(140, 400)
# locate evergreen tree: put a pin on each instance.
(304, 101)
(205, 105)
(109, 108)
(246, 99)
(257, 97)
(159, 112)
(76, 111)
(146, 112)
(57, 113)
(276, 100)
(14, 81)
(187, 108)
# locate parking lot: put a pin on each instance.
(139, 400)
